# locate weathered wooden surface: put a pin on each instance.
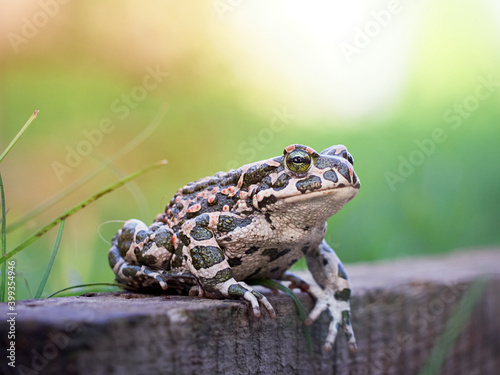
(399, 311)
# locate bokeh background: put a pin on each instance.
(412, 88)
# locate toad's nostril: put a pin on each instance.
(348, 157)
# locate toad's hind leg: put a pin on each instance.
(135, 276)
(140, 257)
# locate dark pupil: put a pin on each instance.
(299, 160)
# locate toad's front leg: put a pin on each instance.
(332, 293)
(207, 262)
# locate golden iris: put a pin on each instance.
(298, 161)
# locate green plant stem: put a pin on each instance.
(18, 135)
(454, 327)
(50, 202)
(271, 284)
(77, 208)
(27, 284)
(3, 280)
(81, 286)
(51, 261)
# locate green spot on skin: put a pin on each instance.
(229, 223)
(325, 162)
(130, 271)
(185, 239)
(343, 295)
(331, 176)
(146, 259)
(202, 220)
(114, 256)
(188, 189)
(281, 182)
(141, 236)
(126, 237)
(200, 234)
(346, 317)
(310, 183)
(236, 291)
(163, 238)
(257, 294)
(223, 275)
(206, 256)
(226, 223)
(177, 259)
(231, 177)
(220, 277)
(256, 173)
(200, 186)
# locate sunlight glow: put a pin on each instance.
(343, 58)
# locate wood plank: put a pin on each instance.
(400, 309)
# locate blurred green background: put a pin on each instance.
(412, 88)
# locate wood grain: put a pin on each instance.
(399, 308)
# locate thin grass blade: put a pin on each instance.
(84, 285)
(3, 279)
(28, 289)
(454, 327)
(51, 261)
(77, 208)
(50, 202)
(18, 135)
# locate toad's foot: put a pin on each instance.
(338, 307)
(239, 289)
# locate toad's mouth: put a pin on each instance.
(326, 200)
(313, 207)
(341, 193)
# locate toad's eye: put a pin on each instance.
(298, 161)
(347, 156)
